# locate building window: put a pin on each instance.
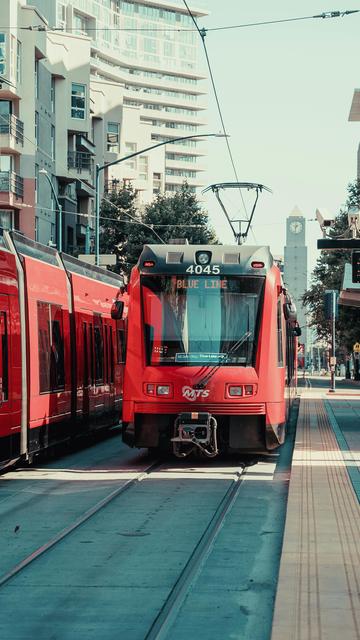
(36, 71)
(2, 53)
(61, 16)
(52, 95)
(78, 101)
(51, 347)
(156, 182)
(18, 62)
(113, 137)
(6, 219)
(143, 167)
(52, 232)
(36, 183)
(130, 147)
(37, 128)
(36, 229)
(52, 142)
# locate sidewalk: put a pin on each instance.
(319, 580)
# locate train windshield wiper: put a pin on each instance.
(207, 377)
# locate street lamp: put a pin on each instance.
(59, 238)
(100, 168)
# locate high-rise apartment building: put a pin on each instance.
(146, 87)
(86, 81)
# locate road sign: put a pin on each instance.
(104, 258)
(356, 347)
(333, 245)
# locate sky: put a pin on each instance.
(285, 92)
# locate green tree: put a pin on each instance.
(328, 274)
(115, 211)
(178, 215)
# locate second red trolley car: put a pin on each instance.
(211, 356)
(62, 342)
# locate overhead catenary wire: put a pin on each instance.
(323, 15)
(202, 33)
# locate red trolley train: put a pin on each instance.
(62, 339)
(211, 356)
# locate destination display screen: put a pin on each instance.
(211, 320)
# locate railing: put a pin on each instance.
(12, 183)
(81, 161)
(11, 125)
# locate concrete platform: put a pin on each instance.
(319, 580)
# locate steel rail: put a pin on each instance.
(168, 613)
(77, 523)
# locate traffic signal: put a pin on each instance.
(355, 261)
(331, 304)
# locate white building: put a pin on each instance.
(146, 87)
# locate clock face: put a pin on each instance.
(296, 226)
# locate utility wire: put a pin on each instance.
(202, 34)
(324, 15)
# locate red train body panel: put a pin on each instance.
(211, 351)
(61, 360)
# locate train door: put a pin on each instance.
(10, 441)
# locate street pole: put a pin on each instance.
(99, 168)
(333, 359)
(59, 207)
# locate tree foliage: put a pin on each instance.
(328, 274)
(169, 216)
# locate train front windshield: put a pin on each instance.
(201, 321)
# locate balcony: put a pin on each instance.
(12, 184)
(81, 163)
(11, 133)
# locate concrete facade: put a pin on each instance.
(295, 265)
(94, 81)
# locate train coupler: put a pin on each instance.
(195, 431)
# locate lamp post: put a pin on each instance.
(100, 168)
(59, 237)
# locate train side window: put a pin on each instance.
(4, 356)
(57, 367)
(44, 346)
(99, 351)
(91, 335)
(111, 354)
(280, 335)
(51, 347)
(86, 356)
(106, 354)
(121, 346)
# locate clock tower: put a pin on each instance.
(295, 265)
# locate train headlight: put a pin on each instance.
(203, 257)
(235, 391)
(163, 390)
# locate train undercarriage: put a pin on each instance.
(201, 432)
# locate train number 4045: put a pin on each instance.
(213, 269)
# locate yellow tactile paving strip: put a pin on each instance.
(318, 595)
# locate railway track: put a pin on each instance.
(155, 534)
